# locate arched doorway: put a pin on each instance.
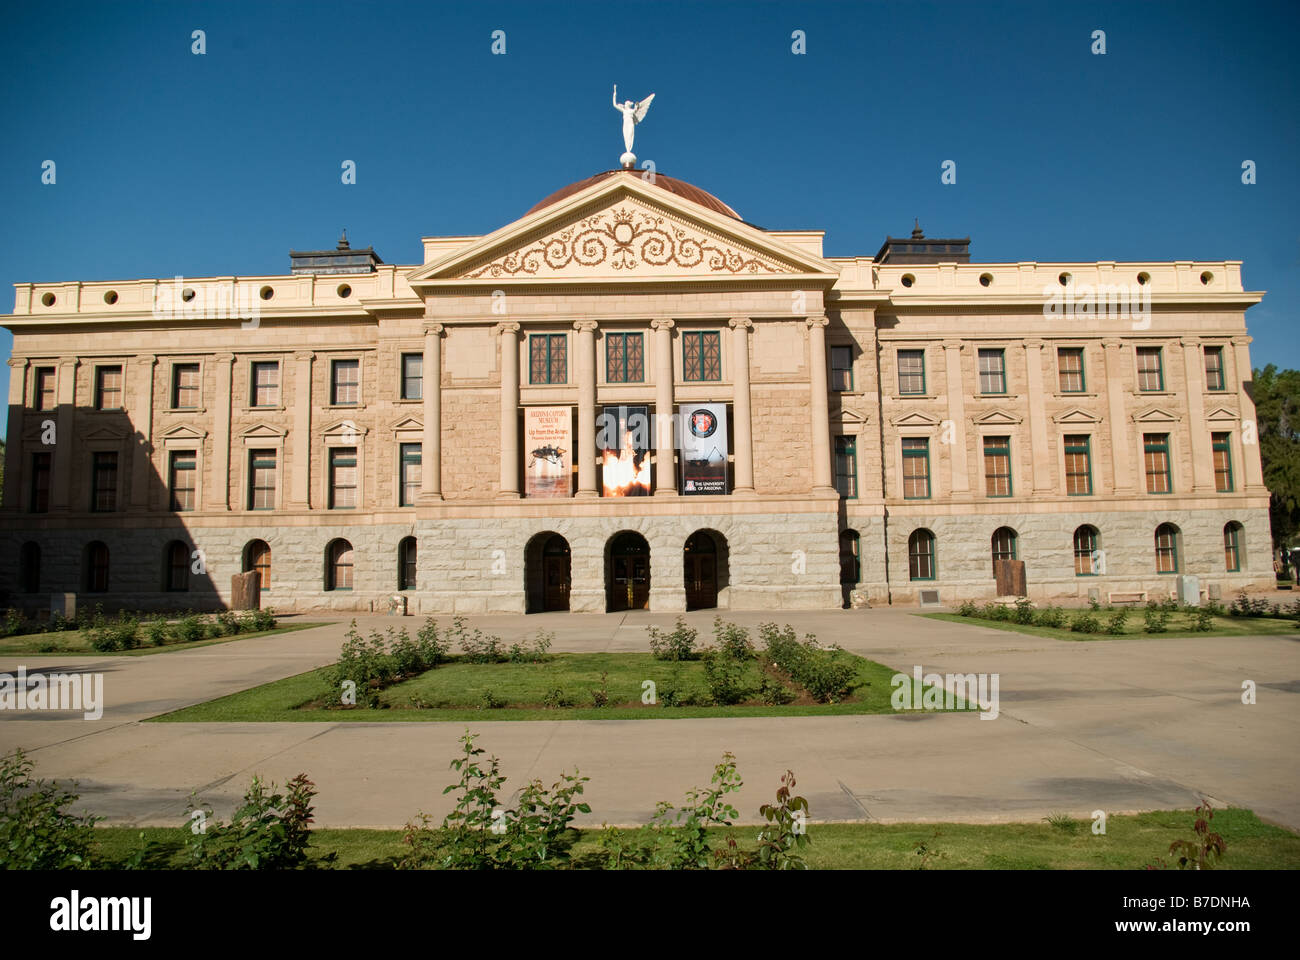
(548, 573)
(627, 575)
(701, 556)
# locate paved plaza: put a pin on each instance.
(1118, 725)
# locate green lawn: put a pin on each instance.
(1130, 842)
(454, 691)
(61, 642)
(1179, 626)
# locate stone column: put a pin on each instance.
(509, 332)
(431, 442)
(300, 481)
(1202, 463)
(665, 471)
(1250, 451)
(62, 462)
(140, 416)
(956, 388)
(218, 487)
(13, 493)
(585, 367)
(821, 418)
(740, 404)
(1116, 378)
(1041, 469)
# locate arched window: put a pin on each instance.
(406, 564)
(257, 556)
(1086, 559)
(178, 566)
(1166, 548)
(1232, 546)
(850, 557)
(921, 563)
(338, 565)
(29, 563)
(1003, 545)
(96, 568)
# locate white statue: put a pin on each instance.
(633, 113)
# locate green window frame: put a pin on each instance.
(702, 355)
(1086, 539)
(1156, 461)
(1070, 370)
(1078, 465)
(993, 371)
(103, 482)
(922, 556)
(1166, 549)
(1232, 546)
(182, 480)
(911, 373)
(408, 487)
(261, 483)
(548, 358)
(916, 468)
(846, 467)
(108, 388)
(1215, 376)
(344, 480)
(264, 383)
(1003, 545)
(412, 376)
(345, 383)
(1151, 369)
(841, 369)
(624, 358)
(997, 467)
(1222, 453)
(185, 386)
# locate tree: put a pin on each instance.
(1277, 411)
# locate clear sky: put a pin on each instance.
(172, 163)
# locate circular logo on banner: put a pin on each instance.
(703, 423)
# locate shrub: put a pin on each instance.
(1117, 623)
(1085, 623)
(556, 698)
(1203, 620)
(996, 611)
(156, 631)
(264, 619)
(1051, 617)
(676, 644)
(732, 640)
(535, 652)
(433, 650)
(12, 624)
(112, 635)
(725, 675)
(271, 831)
(477, 646)
(36, 832)
(682, 835)
(828, 675)
(968, 608)
(228, 622)
(189, 629)
(600, 696)
(775, 692)
(1156, 619)
(786, 830)
(405, 653)
(1203, 851)
(1024, 612)
(487, 700)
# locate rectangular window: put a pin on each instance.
(997, 466)
(916, 468)
(108, 388)
(410, 479)
(1151, 372)
(548, 360)
(1222, 462)
(1231, 548)
(43, 389)
(1156, 451)
(911, 372)
(1078, 465)
(103, 482)
(1069, 366)
(261, 486)
(40, 502)
(412, 376)
(265, 380)
(624, 358)
(185, 386)
(345, 383)
(846, 467)
(1214, 375)
(183, 480)
(842, 369)
(993, 371)
(343, 478)
(702, 355)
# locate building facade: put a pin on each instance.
(631, 397)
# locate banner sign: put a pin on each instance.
(548, 451)
(704, 448)
(623, 443)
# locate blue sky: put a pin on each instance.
(171, 163)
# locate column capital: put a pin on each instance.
(957, 345)
(224, 357)
(69, 361)
(145, 359)
(1242, 341)
(305, 355)
(1035, 343)
(585, 326)
(433, 328)
(1190, 341)
(1110, 343)
(506, 326)
(817, 321)
(662, 323)
(17, 361)
(740, 323)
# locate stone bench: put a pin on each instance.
(1129, 596)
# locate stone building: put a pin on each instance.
(633, 397)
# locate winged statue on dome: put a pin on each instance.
(633, 113)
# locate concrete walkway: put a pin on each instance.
(1116, 725)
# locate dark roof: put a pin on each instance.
(683, 189)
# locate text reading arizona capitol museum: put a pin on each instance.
(632, 398)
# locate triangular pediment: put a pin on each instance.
(346, 431)
(1076, 415)
(406, 424)
(104, 433)
(997, 418)
(1222, 415)
(263, 431)
(850, 414)
(623, 229)
(1155, 415)
(183, 433)
(915, 419)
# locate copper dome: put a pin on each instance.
(680, 187)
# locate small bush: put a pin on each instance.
(1156, 619)
(775, 693)
(1117, 623)
(477, 646)
(433, 649)
(600, 696)
(535, 652)
(1024, 612)
(189, 629)
(1085, 623)
(556, 698)
(36, 831)
(487, 700)
(675, 644)
(264, 619)
(157, 632)
(271, 831)
(732, 640)
(724, 675)
(1203, 620)
(228, 622)
(997, 611)
(1051, 617)
(968, 608)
